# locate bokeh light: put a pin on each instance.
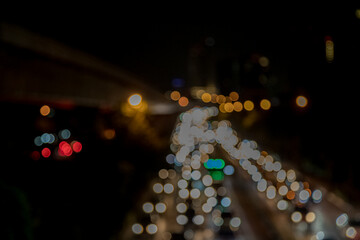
(206, 97)
(301, 101)
(135, 100)
(248, 105)
(183, 101)
(265, 104)
(46, 152)
(45, 110)
(175, 95)
(137, 228)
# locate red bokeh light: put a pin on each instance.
(65, 149)
(76, 146)
(35, 155)
(46, 152)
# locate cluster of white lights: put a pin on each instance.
(193, 140)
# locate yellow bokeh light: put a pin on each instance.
(248, 105)
(45, 110)
(228, 107)
(213, 98)
(357, 13)
(220, 99)
(222, 108)
(206, 97)
(301, 101)
(265, 104)
(109, 134)
(175, 95)
(238, 106)
(135, 100)
(183, 101)
(310, 217)
(264, 61)
(234, 96)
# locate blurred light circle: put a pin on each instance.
(168, 188)
(212, 201)
(310, 217)
(351, 232)
(320, 235)
(291, 175)
(184, 193)
(198, 219)
(172, 173)
(206, 208)
(46, 152)
(238, 106)
(295, 186)
(181, 207)
(209, 191)
(283, 190)
(151, 228)
(38, 142)
(248, 105)
(265, 104)
(301, 101)
(52, 138)
(189, 234)
(195, 193)
(225, 202)
(163, 174)
(196, 175)
(296, 217)
(317, 196)
(207, 180)
(262, 185)
(137, 228)
(218, 221)
(45, 110)
(271, 192)
(304, 196)
(160, 207)
(221, 191)
(342, 220)
(148, 207)
(186, 175)
(134, 100)
(281, 175)
(228, 170)
(170, 158)
(45, 138)
(235, 222)
(282, 205)
(175, 95)
(195, 164)
(182, 219)
(64, 134)
(182, 183)
(158, 188)
(76, 146)
(277, 166)
(234, 96)
(183, 101)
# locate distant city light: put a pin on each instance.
(329, 49)
(135, 100)
(234, 96)
(206, 97)
(301, 101)
(175, 95)
(264, 61)
(265, 104)
(248, 105)
(45, 110)
(137, 228)
(151, 228)
(46, 152)
(109, 134)
(65, 134)
(238, 106)
(183, 101)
